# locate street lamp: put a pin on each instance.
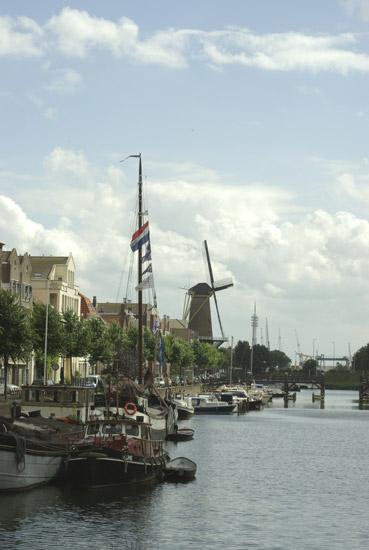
(46, 328)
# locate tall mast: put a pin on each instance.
(139, 289)
(140, 320)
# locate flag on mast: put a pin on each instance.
(147, 256)
(146, 283)
(147, 270)
(140, 237)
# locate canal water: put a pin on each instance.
(278, 479)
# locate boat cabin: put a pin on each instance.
(58, 400)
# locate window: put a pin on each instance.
(132, 429)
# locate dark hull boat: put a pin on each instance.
(180, 469)
(182, 434)
(116, 452)
(107, 467)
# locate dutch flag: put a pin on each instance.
(140, 237)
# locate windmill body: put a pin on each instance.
(197, 310)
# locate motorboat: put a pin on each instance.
(184, 407)
(210, 404)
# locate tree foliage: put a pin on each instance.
(15, 332)
(361, 360)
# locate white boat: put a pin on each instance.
(32, 453)
(184, 407)
(209, 404)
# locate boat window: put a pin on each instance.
(132, 429)
(92, 429)
(112, 429)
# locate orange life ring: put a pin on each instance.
(130, 408)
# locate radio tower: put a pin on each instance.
(254, 324)
(267, 334)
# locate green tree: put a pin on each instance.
(54, 334)
(76, 337)
(150, 344)
(310, 367)
(242, 357)
(15, 332)
(260, 360)
(201, 358)
(100, 348)
(278, 360)
(361, 360)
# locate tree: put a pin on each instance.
(99, 347)
(149, 345)
(241, 356)
(260, 360)
(361, 360)
(309, 368)
(278, 360)
(76, 337)
(54, 334)
(15, 332)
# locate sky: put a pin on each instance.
(252, 121)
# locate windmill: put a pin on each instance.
(197, 311)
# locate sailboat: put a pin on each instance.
(162, 414)
(129, 449)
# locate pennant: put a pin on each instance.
(161, 353)
(147, 270)
(147, 255)
(146, 283)
(156, 325)
(140, 237)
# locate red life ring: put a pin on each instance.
(130, 408)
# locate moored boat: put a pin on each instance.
(116, 452)
(184, 407)
(32, 451)
(180, 469)
(209, 404)
(181, 434)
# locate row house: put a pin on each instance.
(15, 275)
(53, 282)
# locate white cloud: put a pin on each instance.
(293, 266)
(76, 33)
(65, 81)
(61, 161)
(20, 37)
(361, 7)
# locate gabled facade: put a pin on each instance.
(55, 276)
(15, 275)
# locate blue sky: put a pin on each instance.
(252, 121)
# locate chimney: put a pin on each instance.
(94, 301)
